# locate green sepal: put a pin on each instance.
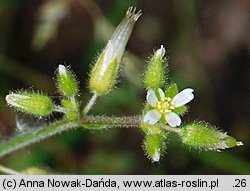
(31, 103)
(66, 82)
(180, 110)
(203, 136)
(171, 91)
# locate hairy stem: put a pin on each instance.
(88, 122)
(24, 140)
(132, 121)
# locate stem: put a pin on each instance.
(9, 171)
(132, 121)
(33, 137)
(90, 104)
(89, 122)
(73, 101)
(169, 128)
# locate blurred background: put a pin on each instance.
(208, 45)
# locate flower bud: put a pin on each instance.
(66, 81)
(155, 72)
(32, 103)
(154, 146)
(104, 73)
(202, 136)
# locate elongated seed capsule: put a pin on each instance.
(104, 73)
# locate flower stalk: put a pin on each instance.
(90, 104)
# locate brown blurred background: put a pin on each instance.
(208, 45)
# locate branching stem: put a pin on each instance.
(88, 122)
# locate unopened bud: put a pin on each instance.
(155, 72)
(66, 82)
(202, 136)
(104, 73)
(154, 146)
(32, 103)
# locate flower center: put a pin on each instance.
(165, 105)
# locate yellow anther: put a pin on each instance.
(163, 99)
(165, 105)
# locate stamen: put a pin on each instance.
(165, 106)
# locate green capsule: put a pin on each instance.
(32, 103)
(66, 82)
(155, 73)
(202, 136)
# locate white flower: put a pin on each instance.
(164, 106)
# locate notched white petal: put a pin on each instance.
(173, 119)
(152, 117)
(161, 92)
(152, 98)
(183, 97)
